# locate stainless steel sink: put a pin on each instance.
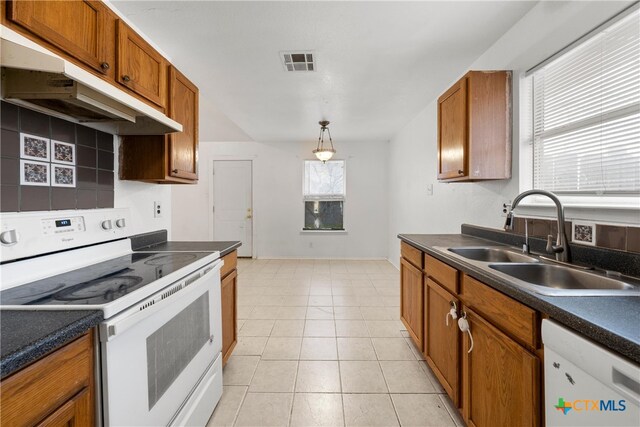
(492, 254)
(558, 280)
(541, 275)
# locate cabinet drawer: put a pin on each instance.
(512, 317)
(442, 273)
(230, 263)
(411, 254)
(38, 390)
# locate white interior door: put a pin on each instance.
(232, 208)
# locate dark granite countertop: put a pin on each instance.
(156, 241)
(26, 336)
(613, 322)
(223, 247)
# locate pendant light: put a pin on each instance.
(324, 153)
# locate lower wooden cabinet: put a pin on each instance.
(229, 301)
(441, 337)
(501, 381)
(57, 390)
(411, 300)
(497, 382)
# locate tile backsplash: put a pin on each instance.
(94, 164)
(622, 238)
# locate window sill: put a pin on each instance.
(617, 210)
(323, 231)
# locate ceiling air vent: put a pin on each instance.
(298, 61)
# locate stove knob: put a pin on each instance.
(9, 237)
(106, 224)
(120, 223)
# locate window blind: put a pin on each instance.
(324, 181)
(586, 115)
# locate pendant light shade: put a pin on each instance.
(324, 153)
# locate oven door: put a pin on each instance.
(155, 353)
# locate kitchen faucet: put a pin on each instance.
(561, 248)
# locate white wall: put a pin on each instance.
(547, 28)
(278, 207)
(139, 198)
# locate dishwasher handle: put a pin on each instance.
(626, 385)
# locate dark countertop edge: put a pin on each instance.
(231, 248)
(35, 350)
(605, 337)
(154, 239)
(224, 250)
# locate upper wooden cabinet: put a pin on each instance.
(140, 67)
(172, 158)
(474, 128)
(183, 108)
(84, 30)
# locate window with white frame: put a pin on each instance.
(324, 191)
(585, 114)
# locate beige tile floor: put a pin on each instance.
(320, 343)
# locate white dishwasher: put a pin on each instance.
(586, 385)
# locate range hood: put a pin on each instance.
(41, 80)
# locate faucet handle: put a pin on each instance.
(551, 248)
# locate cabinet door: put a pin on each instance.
(74, 413)
(79, 28)
(183, 108)
(229, 302)
(501, 379)
(140, 67)
(442, 339)
(452, 132)
(411, 300)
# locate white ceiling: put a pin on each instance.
(378, 63)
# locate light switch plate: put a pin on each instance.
(583, 232)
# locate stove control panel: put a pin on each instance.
(27, 234)
(63, 225)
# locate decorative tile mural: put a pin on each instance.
(34, 173)
(52, 164)
(34, 147)
(63, 152)
(63, 176)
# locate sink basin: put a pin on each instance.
(557, 280)
(490, 254)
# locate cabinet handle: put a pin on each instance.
(463, 324)
(453, 312)
(460, 172)
(175, 171)
(126, 78)
(105, 66)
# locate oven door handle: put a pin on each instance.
(150, 306)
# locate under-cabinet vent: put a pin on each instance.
(147, 305)
(171, 291)
(298, 61)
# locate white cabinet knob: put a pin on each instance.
(106, 224)
(9, 237)
(120, 223)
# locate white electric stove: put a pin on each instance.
(161, 341)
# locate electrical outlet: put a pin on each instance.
(430, 190)
(157, 209)
(506, 208)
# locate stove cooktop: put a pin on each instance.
(100, 283)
